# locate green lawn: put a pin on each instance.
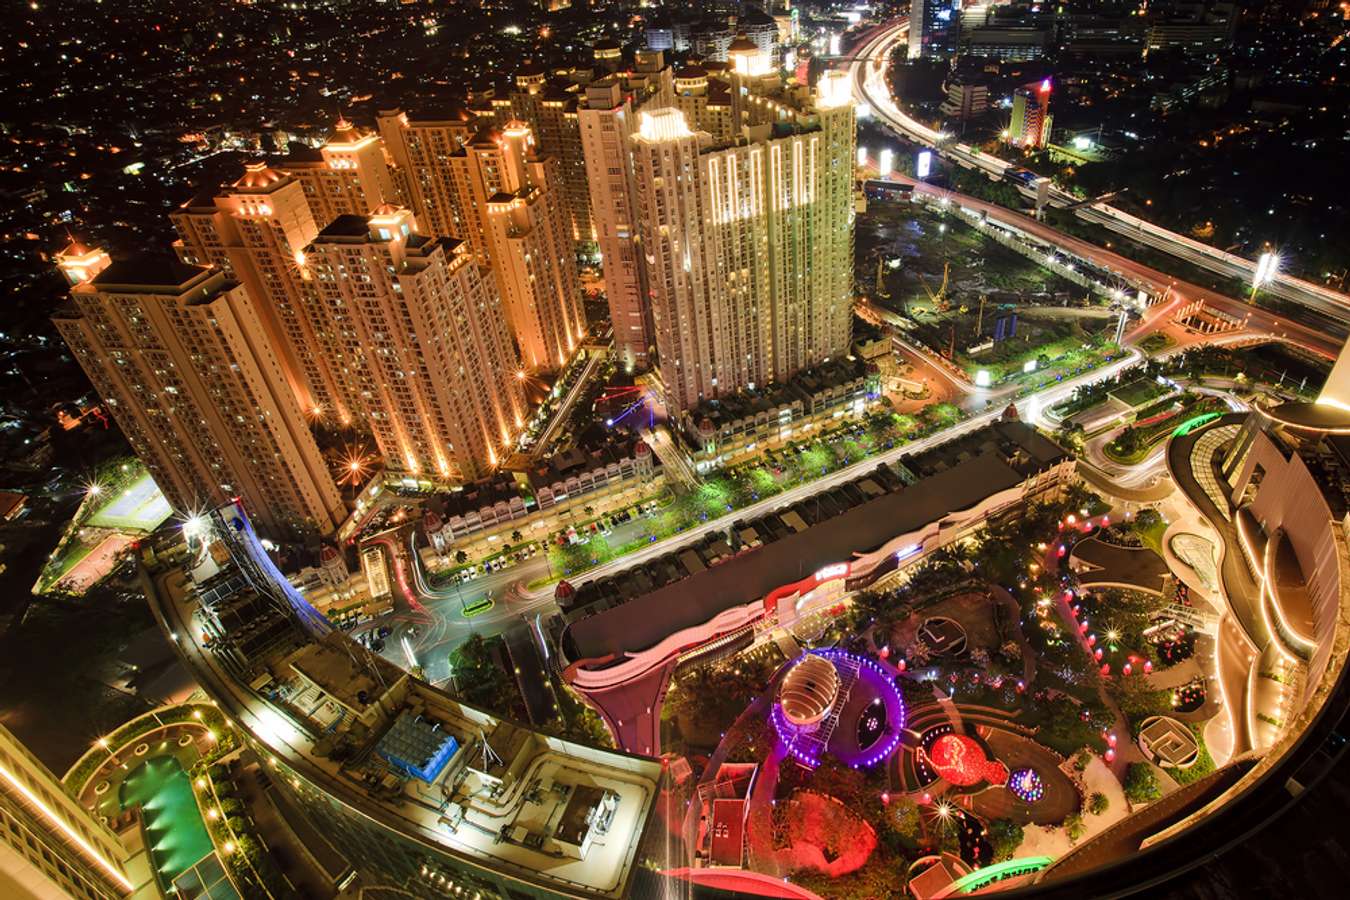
(1204, 764)
(773, 471)
(1139, 391)
(1156, 343)
(1151, 533)
(1137, 441)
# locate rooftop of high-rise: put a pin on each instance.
(375, 739)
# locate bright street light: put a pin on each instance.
(1266, 267)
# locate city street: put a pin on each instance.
(440, 626)
(436, 623)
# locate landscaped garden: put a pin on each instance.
(980, 650)
(1154, 423)
(775, 470)
(121, 503)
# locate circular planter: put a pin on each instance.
(101, 788)
(184, 740)
(142, 749)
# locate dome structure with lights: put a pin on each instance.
(808, 691)
(257, 174)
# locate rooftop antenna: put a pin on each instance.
(366, 662)
(489, 755)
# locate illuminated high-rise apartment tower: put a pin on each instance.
(185, 361)
(254, 231)
(347, 175)
(608, 124)
(514, 218)
(748, 244)
(420, 148)
(549, 108)
(51, 848)
(425, 350)
(1031, 119)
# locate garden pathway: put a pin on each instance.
(1015, 618)
(1174, 676)
(1126, 751)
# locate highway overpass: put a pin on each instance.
(868, 66)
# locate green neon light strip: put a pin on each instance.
(982, 878)
(1190, 425)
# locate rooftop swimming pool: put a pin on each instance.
(174, 829)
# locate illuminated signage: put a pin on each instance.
(838, 570)
(924, 164)
(885, 162)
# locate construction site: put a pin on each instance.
(994, 312)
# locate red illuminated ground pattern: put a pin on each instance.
(961, 761)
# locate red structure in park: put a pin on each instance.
(961, 761)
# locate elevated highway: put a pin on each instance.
(868, 64)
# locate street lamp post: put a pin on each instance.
(1266, 267)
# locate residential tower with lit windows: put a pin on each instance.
(188, 365)
(746, 240)
(417, 334)
(509, 200)
(52, 848)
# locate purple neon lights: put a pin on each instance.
(1027, 785)
(807, 752)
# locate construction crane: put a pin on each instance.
(939, 297)
(880, 289)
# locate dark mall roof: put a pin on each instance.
(1040, 448)
(147, 270)
(648, 619)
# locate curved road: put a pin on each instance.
(435, 624)
(868, 64)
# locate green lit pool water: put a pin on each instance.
(173, 827)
